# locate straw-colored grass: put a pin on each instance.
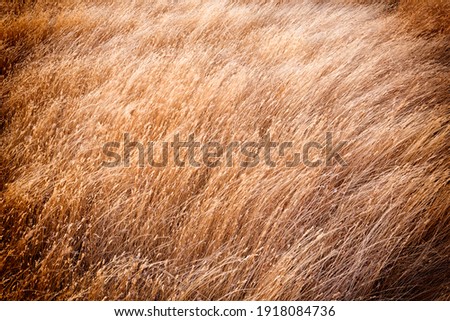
(77, 74)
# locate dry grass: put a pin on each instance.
(81, 73)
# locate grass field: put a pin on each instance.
(77, 74)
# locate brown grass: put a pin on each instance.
(81, 73)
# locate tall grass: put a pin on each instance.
(77, 74)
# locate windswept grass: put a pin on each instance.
(77, 74)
